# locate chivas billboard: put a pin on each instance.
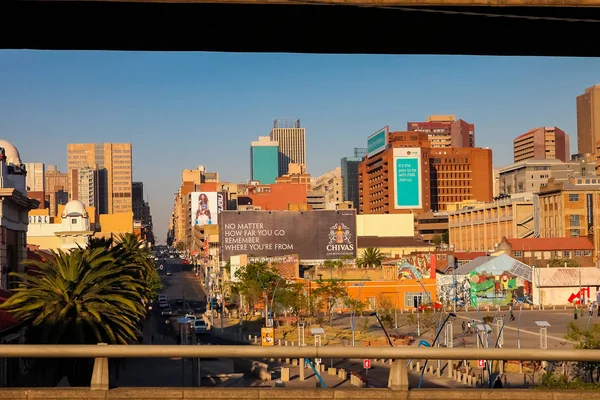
(313, 235)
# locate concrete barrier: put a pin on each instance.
(285, 374)
(254, 368)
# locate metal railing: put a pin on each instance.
(398, 378)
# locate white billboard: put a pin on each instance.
(204, 208)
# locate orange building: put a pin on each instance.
(432, 178)
(278, 196)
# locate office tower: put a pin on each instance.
(350, 175)
(113, 161)
(264, 160)
(445, 131)
(35, 177)
(292, 143)
(84, 186)
(544, 143)
(588, 120)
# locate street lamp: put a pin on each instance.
(450, 315)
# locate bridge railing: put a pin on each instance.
(398, 378)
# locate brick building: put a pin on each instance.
(545, 252)
(443, 176)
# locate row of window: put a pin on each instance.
(560, 254)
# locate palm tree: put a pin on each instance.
(100, 242)
(370, 257)
(132, 251)
(80, 297)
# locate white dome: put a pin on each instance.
(74, 208)
(12, 154)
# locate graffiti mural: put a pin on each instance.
(451, 288)
(499, 283)
(583, 294)
(415, 267)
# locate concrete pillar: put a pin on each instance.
(301, 367)
(286, 342)
(295, 361)
(438, 372)
(390, 361)
(458, 376)
(332, 371)
(287, 360)
(100, 375)
(450, 368)
(292, 342)
(279, 342)
(418, 365)
(285, 374)
(398, 379)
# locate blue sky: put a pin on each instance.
(184, 109)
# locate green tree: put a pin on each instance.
(85, 296)
(328, 293)
(437, 239)
(100, 243)
(132, 252)
(180, 246)
(446, 237)
(370, 257)
(291, 297)
(254, 280)
(562, 262)
(588, 339)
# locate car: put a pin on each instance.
(191, 316)
(430, 306)
(163, 304)
(168, 273)
(199, 326)
(166, 311)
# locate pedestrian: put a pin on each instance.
(512, 315)
(575, 312)
(591, 309)
(463, 325)
(469, 327)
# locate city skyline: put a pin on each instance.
(194, 108)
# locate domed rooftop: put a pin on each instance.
(12, 154)
(74, 208)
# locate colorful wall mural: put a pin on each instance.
(500, 281)
(420, 266)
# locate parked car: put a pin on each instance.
(430, 306)
(199, 326)
(167, 311)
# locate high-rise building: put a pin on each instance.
(84, 186)
(114, 164)
(408, 176)
(588, 120)
(35, 177)
(292, 143)
(445, 131)
(350, 175)
(264, 160)
(330, 186)
(543, 143)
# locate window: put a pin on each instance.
(587, 253)
(557, 254)
(574, 220)
(577, 253)
(74, 221)
(518, 254)
(573, 197)
(574, 232)
(567, 254)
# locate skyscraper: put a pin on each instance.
(264, 160)
(35, 177)
(84, 186)
(350, 175)
(292, 143)
(588, 120)
(113, 162)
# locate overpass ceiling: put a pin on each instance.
(353, 26)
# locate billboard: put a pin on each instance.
(407, 178)
(377, 142)
(204, 208)
(312, 235)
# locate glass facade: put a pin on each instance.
(350, 179)
(264, 163)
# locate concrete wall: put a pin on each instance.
(385, 225)
(290, 394)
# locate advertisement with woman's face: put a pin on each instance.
(204, 208)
